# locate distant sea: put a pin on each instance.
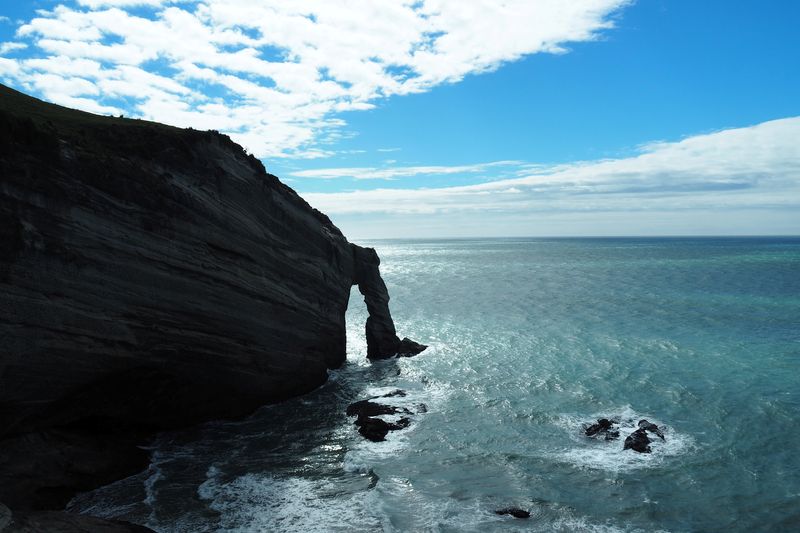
(530, 339)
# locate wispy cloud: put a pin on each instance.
(275, 74)
(756, 166)
(6, 48)
(371, 173)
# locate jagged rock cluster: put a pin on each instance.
(604, 427)
(638, 441)
(367, 412)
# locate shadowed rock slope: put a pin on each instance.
(154, 277)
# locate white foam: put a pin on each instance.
(580, 525)
(258, 502)
(154, 475)
(210, 486)
(609, 455)
(363, 454)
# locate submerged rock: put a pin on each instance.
(393, 394)
(604, 427)
(514, 511)
(638, 441)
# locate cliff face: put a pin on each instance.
(152, 277)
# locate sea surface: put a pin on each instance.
(530, 339)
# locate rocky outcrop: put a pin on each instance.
(382, 339)
(376, 429)
(514, 511)
(369, 408)
(367, 412)
(652, 428)
(638, 441)
(153, 277)
(603, 427)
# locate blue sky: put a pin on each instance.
(443, 118)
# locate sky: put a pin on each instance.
(458, 118)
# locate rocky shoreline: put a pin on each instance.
(153, 278)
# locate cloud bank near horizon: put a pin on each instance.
(276, 75)
(756, 167)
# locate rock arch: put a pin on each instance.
(382, 339)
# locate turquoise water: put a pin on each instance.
(529, 339)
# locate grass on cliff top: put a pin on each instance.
(36, 120)
(65, 119)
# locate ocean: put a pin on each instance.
(530, 340)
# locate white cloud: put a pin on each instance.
(94, 4)
(273, 73)
(8, 67)
(11, 46)
(752, 167)
(370, 173)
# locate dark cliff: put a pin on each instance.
(153, 277)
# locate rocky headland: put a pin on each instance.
(152, 278)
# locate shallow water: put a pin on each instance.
(529, 340)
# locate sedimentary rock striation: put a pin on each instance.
(154, 277)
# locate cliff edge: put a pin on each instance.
(153, 277)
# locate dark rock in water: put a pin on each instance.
(603, 424)
(638, 441)
(652, 428)
(373, 479)
(409, 348)
(368, 408)
(422, 408)
(603, 427)
(393, 394)
(153, 277)
(515, 512)
(375, 429)
(401, 424)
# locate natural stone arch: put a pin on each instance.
(382, 339)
